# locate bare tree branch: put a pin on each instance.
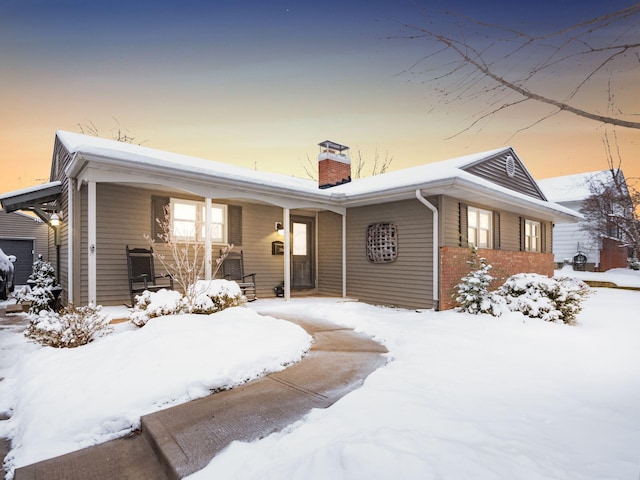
(493, 59)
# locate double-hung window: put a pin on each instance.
(532, 235)
(188, 221)
(479, 227)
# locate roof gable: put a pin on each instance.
(507, 170)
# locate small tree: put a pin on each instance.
(186, 260)
(473, 290)
(40, 291)
(612, 210)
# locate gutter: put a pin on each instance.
(436, 248)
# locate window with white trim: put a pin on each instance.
(188, 221)
(532, 235)
(479, 227)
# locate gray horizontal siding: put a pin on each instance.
(329, 253)
(494, 170)
(407, 282)
(124, 216)
(509, 231)
(23, 227)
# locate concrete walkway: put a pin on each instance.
(181, 440)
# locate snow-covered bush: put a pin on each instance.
(43, 274)
(155, 304)
(205, 297)
(551, 299)
(634, 264)
(473, 290)
(212, 296)
(73, 327)
(39, 289)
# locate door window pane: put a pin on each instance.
(299, 239)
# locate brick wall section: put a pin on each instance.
(505, 263)
(612, 255)
(332, 172)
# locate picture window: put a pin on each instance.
(188, 221)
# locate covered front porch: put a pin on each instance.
(299, 249)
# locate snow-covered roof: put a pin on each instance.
(433, 178)
(36, 188)
(572, 188)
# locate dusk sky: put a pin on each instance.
(260, 83)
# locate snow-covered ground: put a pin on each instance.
(463, 396)
(62, 400)
(622, 277)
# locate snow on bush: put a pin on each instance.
(204, 297)
(211, 296)
(551, 299)
(39, 291)
(155, 304)
(473, 290)
(73, 327)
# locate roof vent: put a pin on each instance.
(510, 166)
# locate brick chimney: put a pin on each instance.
(334, 164)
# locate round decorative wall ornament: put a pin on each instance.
(510, 166)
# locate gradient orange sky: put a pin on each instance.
(259, 84)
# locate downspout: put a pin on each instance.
(344, 255)
(70, 244)
(434, 210)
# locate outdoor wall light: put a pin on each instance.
(279, 228)
(55, 220)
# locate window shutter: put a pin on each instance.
(543, 237)
(496, 230)
(234, 214)
(522, 230)
(158, 212)
(463, 222)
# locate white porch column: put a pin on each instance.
(287, 254)
(344, 255)
(207, 239)
(70, 244)
(91, 242)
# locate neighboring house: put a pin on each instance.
(401, 238)
(26, 237)
(570, 239)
